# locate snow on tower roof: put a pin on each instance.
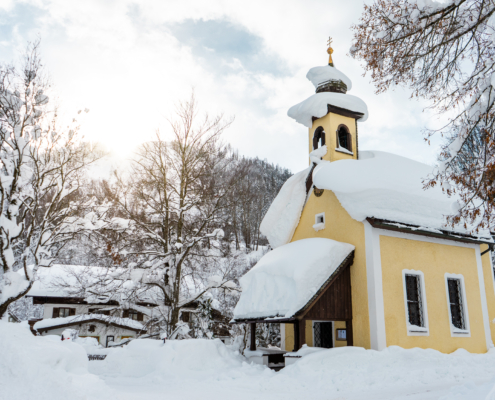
(390, 187)
(317, 106)
(287, 278)
(319, 75)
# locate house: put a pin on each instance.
(101, 318)
(362, 252)
(103, 315)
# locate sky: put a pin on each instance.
(129, 62)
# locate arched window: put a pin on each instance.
(318, 138)
(344, 140)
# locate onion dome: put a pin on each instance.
(329, 78)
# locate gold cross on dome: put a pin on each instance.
(330, 51)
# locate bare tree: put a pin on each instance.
(445, 53)
(41, 169)
(169, 213)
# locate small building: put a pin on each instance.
(362, 252)
(103, 319)
(105, 329)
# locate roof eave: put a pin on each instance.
(416, 230)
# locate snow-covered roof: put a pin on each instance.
(48, 279)
(317, 106)
(390, 187)
(319, 75)
(287, 278)
(54, 322)
(70, 280)
(281, 219)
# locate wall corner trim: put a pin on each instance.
(484, 306)
(378, 339)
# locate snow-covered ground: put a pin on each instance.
(47, 368)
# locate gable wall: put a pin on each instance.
(434, 260)
(341, 227)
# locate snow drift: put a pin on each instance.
(44, 367)
(285, 279)
(152, 360)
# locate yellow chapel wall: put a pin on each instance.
(330, 123)
(434, 260)
(489, 288)
(341, 227)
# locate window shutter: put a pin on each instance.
(55, 312)
(125, 314)
(72, 311)
(140, 316)
(349, 141)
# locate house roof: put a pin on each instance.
(288, 278)
(379, 186)
(389, 187)
(69, 281)
(52, 323)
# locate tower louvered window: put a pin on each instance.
(455, 300)
(318, 138)
(414, 303)
(344, 140)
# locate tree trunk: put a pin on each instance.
(4, 306)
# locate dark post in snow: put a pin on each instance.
(253, 336)
(296, 336)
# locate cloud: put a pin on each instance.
(130, 61)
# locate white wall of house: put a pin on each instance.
(80, 309)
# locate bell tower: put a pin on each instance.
(331, 114)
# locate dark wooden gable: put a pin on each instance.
(334, 300)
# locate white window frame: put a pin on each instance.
(413, 330)
(318, 226)
(333, 332)
(456, 332)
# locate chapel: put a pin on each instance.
(361, 252)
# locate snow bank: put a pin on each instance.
(44, 367)
(387, 186)
(53, 322)
(354, 369)
(152, 360)
(317, 106)
(284, 213)
(285, 279)
(319, 75)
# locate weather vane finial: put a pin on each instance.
(330, 51)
